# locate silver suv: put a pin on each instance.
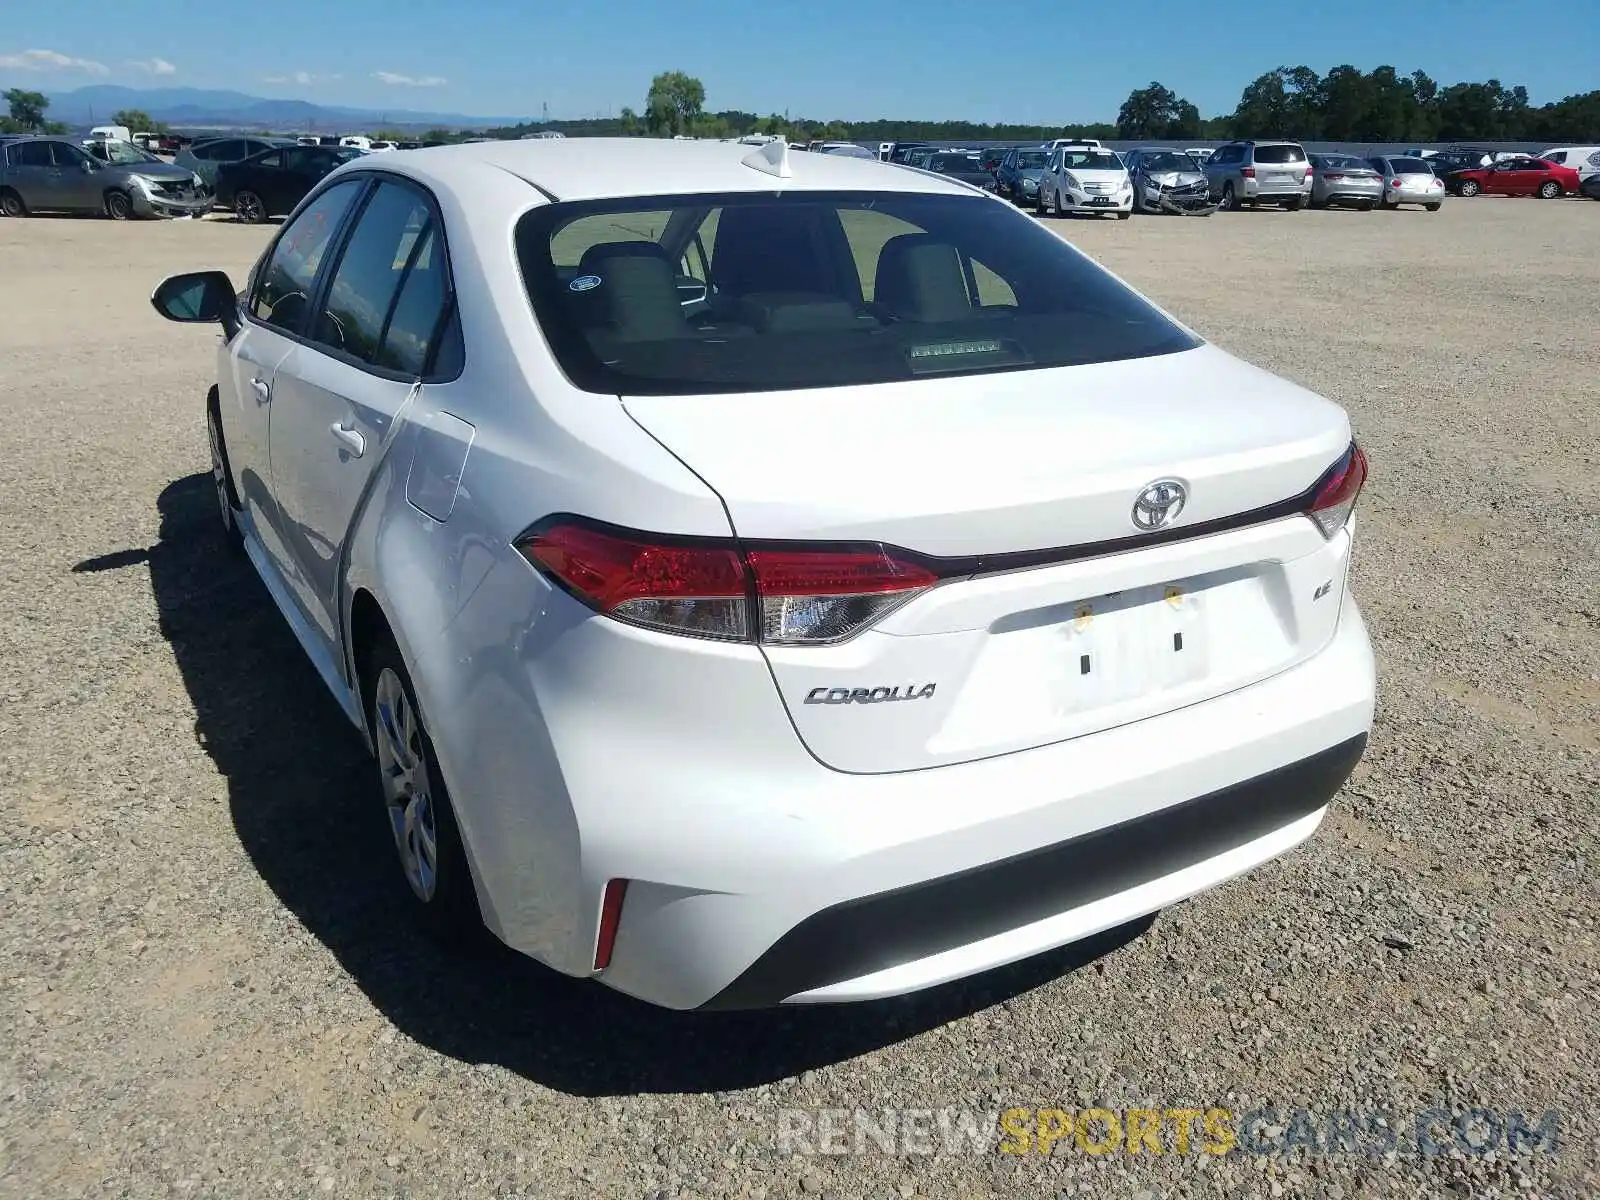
(1260, 173)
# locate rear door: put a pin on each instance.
(338, 395)
(34, 174)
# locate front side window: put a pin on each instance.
(394, 228)
(811, 289)
(284, 285)
(69, 156)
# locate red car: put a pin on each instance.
(1516, 177)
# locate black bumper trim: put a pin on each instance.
(857, 937)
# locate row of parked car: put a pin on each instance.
(258, 177)
(1067, 176)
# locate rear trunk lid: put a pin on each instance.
(1031, 638)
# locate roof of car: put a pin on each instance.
(606, 168)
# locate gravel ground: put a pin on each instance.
(207, 992)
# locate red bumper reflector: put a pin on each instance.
(610, 915)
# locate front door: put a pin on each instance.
(279, 311)
(79, 179)
(337, 402)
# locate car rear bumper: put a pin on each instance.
(746, 858)
(1349, 194)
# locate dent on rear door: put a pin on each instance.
(330, 430)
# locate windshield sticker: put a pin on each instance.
(584, 283)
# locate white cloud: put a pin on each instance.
(49, 60)
(156, 66)
(391, 77)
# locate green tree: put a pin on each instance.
(1156, 112)
(674, 103)
(27, 108)
(137, 121)
(629, 121)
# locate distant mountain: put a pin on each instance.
(200, 107)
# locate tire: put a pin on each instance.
(1038, 204)
(1549, 190)
(1123, 216)
(1432, 207)
(1055, 203)
(222, 478)
(1230, 201)
(1294, 205)
(249, 208)
(437, 880)
(118, 206)
(1470, 187)
(1367, 206)
(11, 204)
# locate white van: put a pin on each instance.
(1585, 160)
(356, 140)
(110, 133)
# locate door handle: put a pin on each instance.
(262, 389)
(350, 439)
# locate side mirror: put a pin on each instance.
(198, 297)
(90, 166)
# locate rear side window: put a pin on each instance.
(1280, 154)
(284, 285)
(387, 303)
(814, 289)
(30, 154)
(370, 271)
(1557, 156)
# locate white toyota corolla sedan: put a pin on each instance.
(769, 577)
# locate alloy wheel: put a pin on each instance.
(247, 206)
(118, 207)
(407, 786)
(219, 472)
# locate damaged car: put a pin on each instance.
(1167, 180)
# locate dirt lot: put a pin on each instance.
(205, 991)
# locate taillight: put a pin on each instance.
(823, 596)
(1247, 172)
(1335, 496)
(715, 588)
(684, 587)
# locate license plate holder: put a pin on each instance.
(1128, 644)
(1100, 200)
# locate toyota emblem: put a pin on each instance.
(1159, 504)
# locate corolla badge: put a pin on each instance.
(1159, 504)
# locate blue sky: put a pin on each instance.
(1025, 60)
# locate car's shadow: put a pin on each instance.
(303, 800)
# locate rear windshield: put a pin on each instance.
(1032, 158)
(770, 291)
(1410, 166)
(956, 162)
(1280, 154)
(1342, 162)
